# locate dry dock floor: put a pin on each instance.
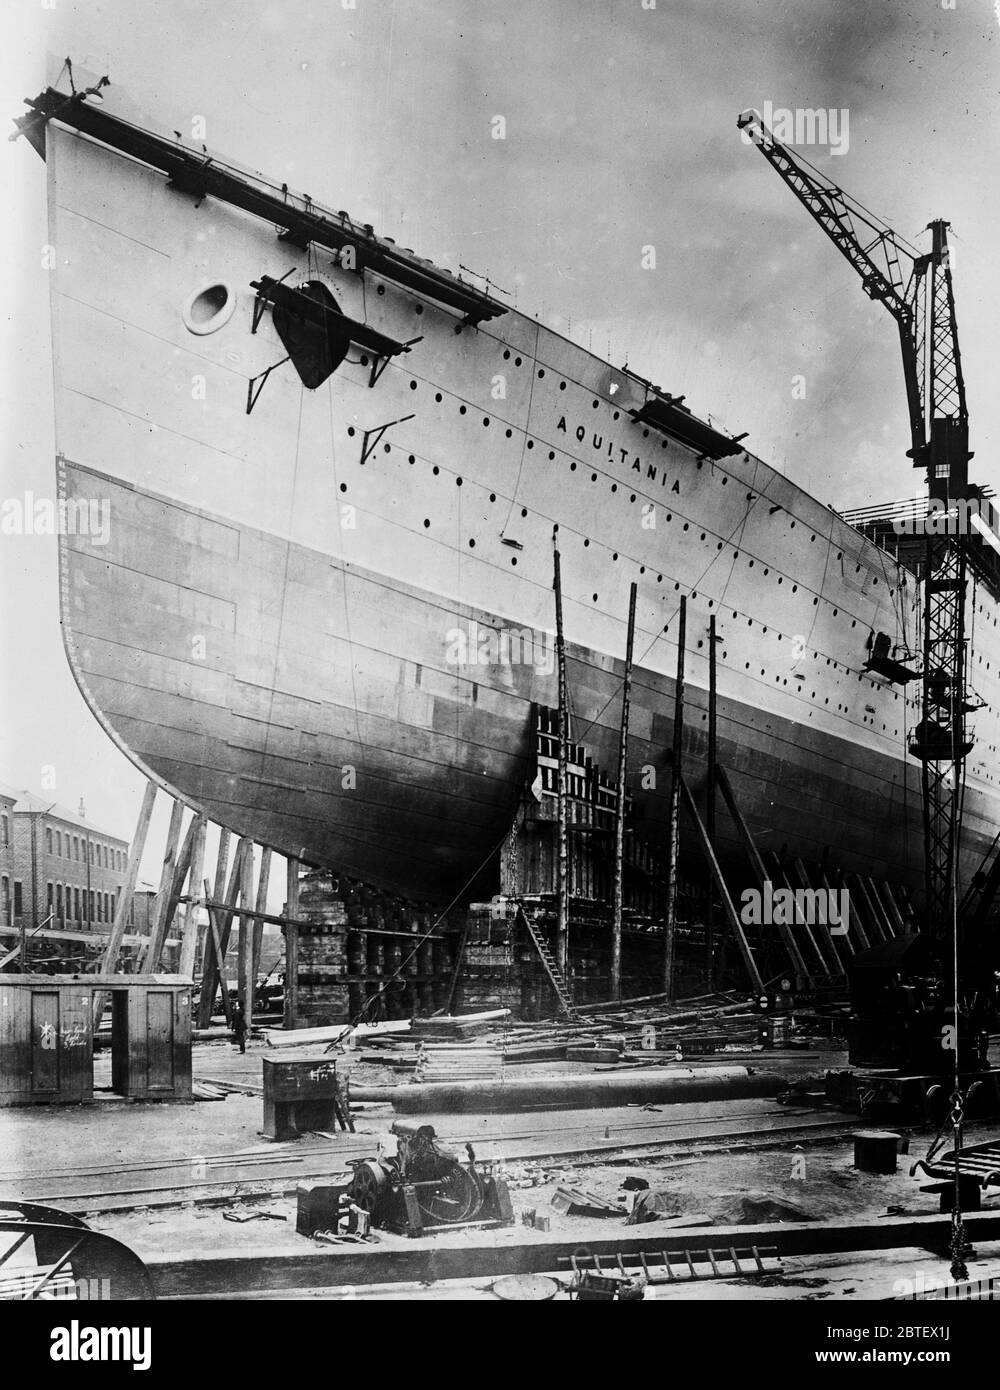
(161, 1177)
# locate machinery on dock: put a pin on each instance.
(423, 1187)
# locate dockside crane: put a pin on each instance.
(917, 291)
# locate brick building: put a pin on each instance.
(8, 800)
(59, 865)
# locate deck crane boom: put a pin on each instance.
(917, 291)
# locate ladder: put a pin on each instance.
(555, 975)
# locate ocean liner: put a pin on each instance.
(324, 611)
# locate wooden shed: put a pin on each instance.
(47, 1037)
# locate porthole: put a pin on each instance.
(209, 308)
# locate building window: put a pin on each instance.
(5, 900)
(107, 858)
(49, 898)
(5, 828)
(76, 847)
(100, 909)
(59, 903)
(48, 839)
(58, 843)
(91, 917)
(91, 844)
(76, 905)
(107, 907)
(18, 901)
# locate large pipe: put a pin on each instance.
(591, 1091)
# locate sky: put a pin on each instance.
(619, 125)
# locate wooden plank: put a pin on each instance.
(735, 925)
(899, 927)
(151, 955)
(879, 906)
(213, 926)
(124, 903)
(857, 929)
(263, 883)
(246, 930)
(832, 958)
(873, 929)
(166, 903)
(562, 880)
(189, 930)
(800, 929)
(757, 864)
(674, 821)
(210, 965)
(291, 944)
(224, 919)
(620, 785)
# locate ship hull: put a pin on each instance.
(378, 758)
(269, 626)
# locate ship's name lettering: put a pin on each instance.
(598, 442)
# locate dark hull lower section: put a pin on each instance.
(308, 704)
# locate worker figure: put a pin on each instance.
(239, 1026)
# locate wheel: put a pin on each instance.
(458, 1198)
(368, 1185)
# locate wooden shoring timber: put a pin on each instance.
(263, 884)
(879, 908)
(757, 864)
(244, 970)
(213, 932)
(710, 791)
(292, 869)
(673, 824)
(824, 936)
(563, 885)
(189, 930)
(617, 894)
(857, 936)
(110, 958)
(209, 965)
(222, 924)
(732, 916)
(842, 944)
(800, 929)
(166, 876)
(168, 899)
(892, 907)
(873, 927)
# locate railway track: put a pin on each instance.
(253, 1173)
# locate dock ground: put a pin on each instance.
(177, 1182)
